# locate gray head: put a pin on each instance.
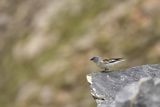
(95, 59)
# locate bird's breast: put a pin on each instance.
(102, 65)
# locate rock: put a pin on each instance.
(135, 87)
(145, 93)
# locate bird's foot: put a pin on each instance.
(106, 70)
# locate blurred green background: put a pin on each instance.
(45, 46)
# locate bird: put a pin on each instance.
(106, 63)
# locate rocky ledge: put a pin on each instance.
(135, 87)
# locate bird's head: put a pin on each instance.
(95, 59)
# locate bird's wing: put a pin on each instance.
(113, 60)
(106, 61)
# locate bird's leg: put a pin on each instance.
(106, 69)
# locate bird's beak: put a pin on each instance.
(91, 59)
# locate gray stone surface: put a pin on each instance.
(145, 93)
(135, 87)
